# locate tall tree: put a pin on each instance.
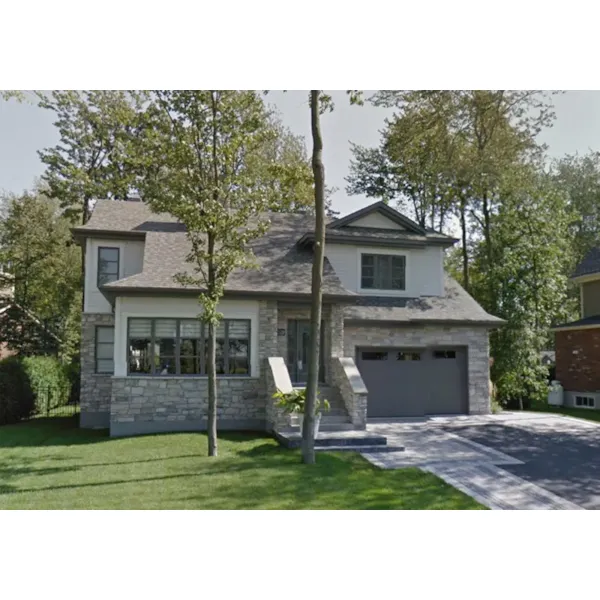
(319, 103)
(89, 162)
(532, 243)
(195, 159)
(579, 177)
(448, 150)
(40, 261)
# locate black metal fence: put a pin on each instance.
(56, 402)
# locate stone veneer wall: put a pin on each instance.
(476, 340)
(95, 388)
(347, 380)
(155, 404)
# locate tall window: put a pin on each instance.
(180, 347)
(108, 265)
(383, 272)
(105, 344)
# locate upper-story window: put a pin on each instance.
(383, 272)
(108, 265)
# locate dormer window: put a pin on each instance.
(108, 265)
(383, 272)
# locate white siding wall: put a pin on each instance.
(375, 220)
(131, 259)
(424, 268)
(182, 308)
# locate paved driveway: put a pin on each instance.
(507, 461)
(559, 454)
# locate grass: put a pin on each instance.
(51, 464)
(580, 413)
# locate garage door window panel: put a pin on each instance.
(415, 356)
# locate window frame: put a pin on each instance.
(377, 277)
(203, 339)
(590, 401)
(96, 343)
(100, 248)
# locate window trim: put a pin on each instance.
(96, 328)
(377, 290)
(587, 398)
(100, 248)
(203, 340)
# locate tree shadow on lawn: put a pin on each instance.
(49, 431)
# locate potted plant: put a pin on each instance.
(293, 403)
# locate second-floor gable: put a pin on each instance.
(373, 252)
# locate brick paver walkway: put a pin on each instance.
(467, 465)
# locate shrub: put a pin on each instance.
(17, 399)
(49, 380)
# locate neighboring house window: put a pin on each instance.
(108, 265)
(383, 272)
(105, 344)
(180, 347)
(585, 401)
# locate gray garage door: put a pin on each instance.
(405, 382)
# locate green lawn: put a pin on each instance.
(580, 413)
(51, 464)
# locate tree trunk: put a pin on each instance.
(487, 235)
(212, 390)
(465, 250)
(308, 432)
(211, 362)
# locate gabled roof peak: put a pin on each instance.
(382, 208)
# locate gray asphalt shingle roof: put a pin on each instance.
(284, 267)
(590, 264)
(455, 305)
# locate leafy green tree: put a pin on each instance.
(196, 159)
(445, 153)
(41, 262)
(532, 244)
(89, 161)
(579, 177)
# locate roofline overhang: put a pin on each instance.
(410, 322)
(586, 277)
(574, 327)
(309, 238)
(111, 293)
(81, 233)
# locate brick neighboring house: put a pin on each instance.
(578, 343)
(399, 338)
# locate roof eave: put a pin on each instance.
(80, 233)
(308, 238)
(112, 292)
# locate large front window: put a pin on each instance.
(383, 272)
(180, 347)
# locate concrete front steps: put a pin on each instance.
(358, 441)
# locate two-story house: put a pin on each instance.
(418, 340)
(578, 343)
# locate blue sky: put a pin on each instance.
(25, 128)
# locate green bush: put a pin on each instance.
(17, 399)
(49, 380)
